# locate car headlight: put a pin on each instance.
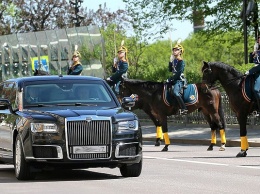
(127, 125)
(44, 127)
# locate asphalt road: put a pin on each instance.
(186, 169)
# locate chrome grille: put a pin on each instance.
(92, 133)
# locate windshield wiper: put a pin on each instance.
(38, 105)
(76, 104)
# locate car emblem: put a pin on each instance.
(88, 119)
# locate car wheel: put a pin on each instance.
(133, 170)
(22, 168)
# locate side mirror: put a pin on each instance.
(6, 104)
(128, 102)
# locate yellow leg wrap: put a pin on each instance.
(166, 139)
(159, 133)
(244, 143)
(223, 136)
(247, 143)
(213, 137)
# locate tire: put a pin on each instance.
(22, 168)
(133, 170)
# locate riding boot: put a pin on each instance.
(258, 106)
(182, 105)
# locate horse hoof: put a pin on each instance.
(210, 148)
(242, 153)
(222, 147)
(158, 142)
(165, 149)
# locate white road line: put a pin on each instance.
(189, 161)
(198, 162)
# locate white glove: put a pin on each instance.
(109, 79)
(247, 72)
(115, 60)
(171, 58)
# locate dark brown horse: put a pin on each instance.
(150, 100)
(232, 81)
(37, 72)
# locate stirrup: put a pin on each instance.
(183, 111)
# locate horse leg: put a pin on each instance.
(213, 140)
(165, 133)
(223, 140)
(213, 131)
(222, 125)
(159, 134)
(243, 136)
(216, 121)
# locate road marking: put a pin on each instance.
(198, 162)
(188, 161)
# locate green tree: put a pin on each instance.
(153, 63)
(154, 17)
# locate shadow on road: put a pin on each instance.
(7, 175)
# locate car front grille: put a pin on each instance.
(89, 137)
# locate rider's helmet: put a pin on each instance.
(123, 49)
(76, 54)
(179, 46)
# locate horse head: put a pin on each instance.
(123, 90)
(37, 72)
(207, 74)
(218, 71)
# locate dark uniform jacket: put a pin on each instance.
(177, 68)
(121, 69)
(75, 69)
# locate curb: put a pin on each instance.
(229, 143)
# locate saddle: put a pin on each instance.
(188, 94)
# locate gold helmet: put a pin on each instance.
(122, 49)
(77, 54)
(179, 46)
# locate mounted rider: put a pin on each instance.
(255, 71)
(76, 67)
(176, 66)
(119, 69)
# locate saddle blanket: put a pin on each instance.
(247, 86)
(190, 95)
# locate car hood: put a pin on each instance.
(117, 114)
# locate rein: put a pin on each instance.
(234, 79)
(229, 81)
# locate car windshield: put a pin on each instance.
(90, 94)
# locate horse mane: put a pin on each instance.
(151, 85)
(226, 67)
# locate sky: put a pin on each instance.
(182, 29)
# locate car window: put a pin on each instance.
(9, 91)
(67, 93)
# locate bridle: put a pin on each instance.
(209, 72)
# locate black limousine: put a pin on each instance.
(51, 122)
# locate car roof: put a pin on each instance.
(53, 77)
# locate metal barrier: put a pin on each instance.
(51, 51)
(197, 117)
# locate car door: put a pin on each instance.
(8, 90)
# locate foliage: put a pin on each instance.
(153, 62)
(156, 16)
